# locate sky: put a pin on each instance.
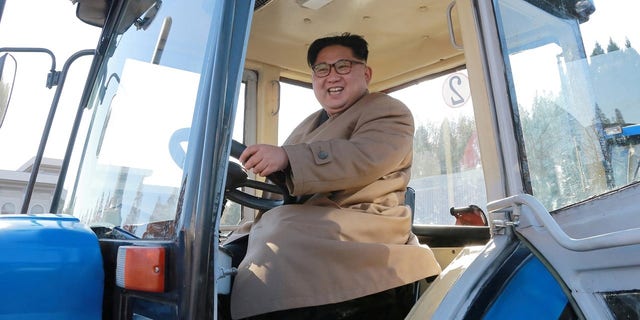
(50, 24)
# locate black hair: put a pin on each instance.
(356, 43)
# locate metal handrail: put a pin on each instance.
(602, 241)
(45, 134)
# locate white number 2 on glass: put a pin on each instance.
(455, 90)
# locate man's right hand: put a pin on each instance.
(264, 159)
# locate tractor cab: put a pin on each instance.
(524, 174)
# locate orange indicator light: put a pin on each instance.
(141, 268)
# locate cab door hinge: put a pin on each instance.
(504, 219)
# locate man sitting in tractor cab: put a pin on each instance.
(346, 248)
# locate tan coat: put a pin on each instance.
(352, 237)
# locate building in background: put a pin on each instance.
(14, 183)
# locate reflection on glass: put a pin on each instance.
(574, 85)
(131, 170)
(134, 177)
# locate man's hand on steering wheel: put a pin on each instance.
(237, 178)
(264, 159)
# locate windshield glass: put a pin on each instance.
(130, 173)
(573, 76)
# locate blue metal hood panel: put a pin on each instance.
(50, 268)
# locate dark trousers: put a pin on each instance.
(386, 305)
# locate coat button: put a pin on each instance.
(323, 155)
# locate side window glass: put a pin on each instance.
(296, 103)
(238, 125)
(446, 171)
(573, 82)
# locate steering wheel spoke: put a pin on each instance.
(251, 201)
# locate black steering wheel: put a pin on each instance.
(237, 177)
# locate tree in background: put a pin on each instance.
(612, 46)
(440, 148)
(597, 49)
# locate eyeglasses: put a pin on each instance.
(342, 66)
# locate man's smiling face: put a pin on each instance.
(337, 92)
